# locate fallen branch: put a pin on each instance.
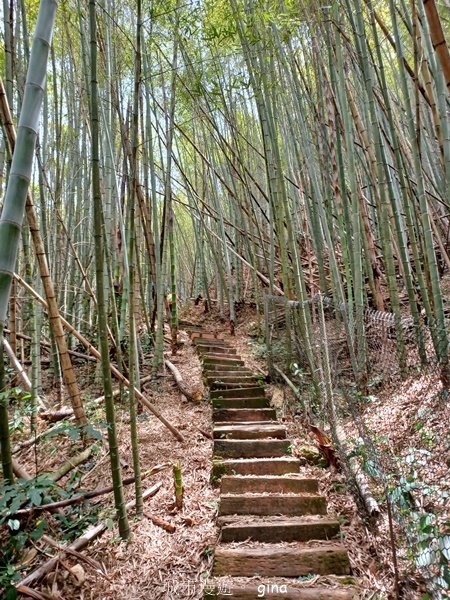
(98, 568)
(114, 370)
(90, 534)
(48, 346)
(116, 392)
(360, 478)
(288, 382)
(19, 369)
(26, 591)
(71, 464)
(20, 471)
(56, 415)
(160, 522)
(17, 366)
(37, 437)
(205, 434)
(51, 506)
(190, 395)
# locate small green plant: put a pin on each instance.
(74, 432)
(430, 547)
(17, 534)
(17, 398)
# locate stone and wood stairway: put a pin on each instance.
(273, 521)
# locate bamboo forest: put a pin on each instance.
(225, 299)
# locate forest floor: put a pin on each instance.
(158, 565)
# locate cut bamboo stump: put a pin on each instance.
(264, 501)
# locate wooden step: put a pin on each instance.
(207, 342)
(216, 350)
(274, 589)
(249, 423)
(206, 335)
(271, 484)
(274, 561)
(210, 369)
(239, 392)
(218, 374)
(243, 414)
(270, 505)
(234, 385)
(295, 529)
(223, 383)
(255, 466)
(222, 359)
(233, 376)
(240, 402)
(249, 432)
(251, 448)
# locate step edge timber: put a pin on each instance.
(202, 341)
(292, 529)
(288, 561)
(253, 447)
(220, 413)
(242, 403)
(215, 369)
(236, 431)
(239, 392)
(241, 372)
(268, 587)
(272, 505)
(204, 349)
(253, 466)
(243, 423)
(219, 356)
(298, 484)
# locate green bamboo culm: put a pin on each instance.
(17, 188)
(116, 473)
(22, 160)
(178, 484)
(133, 354)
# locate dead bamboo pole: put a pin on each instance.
(92, 350)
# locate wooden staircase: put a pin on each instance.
(273, 521)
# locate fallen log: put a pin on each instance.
(190, 395)
(90, 534)
(288, 382)
(114, 370)
(359, 476)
